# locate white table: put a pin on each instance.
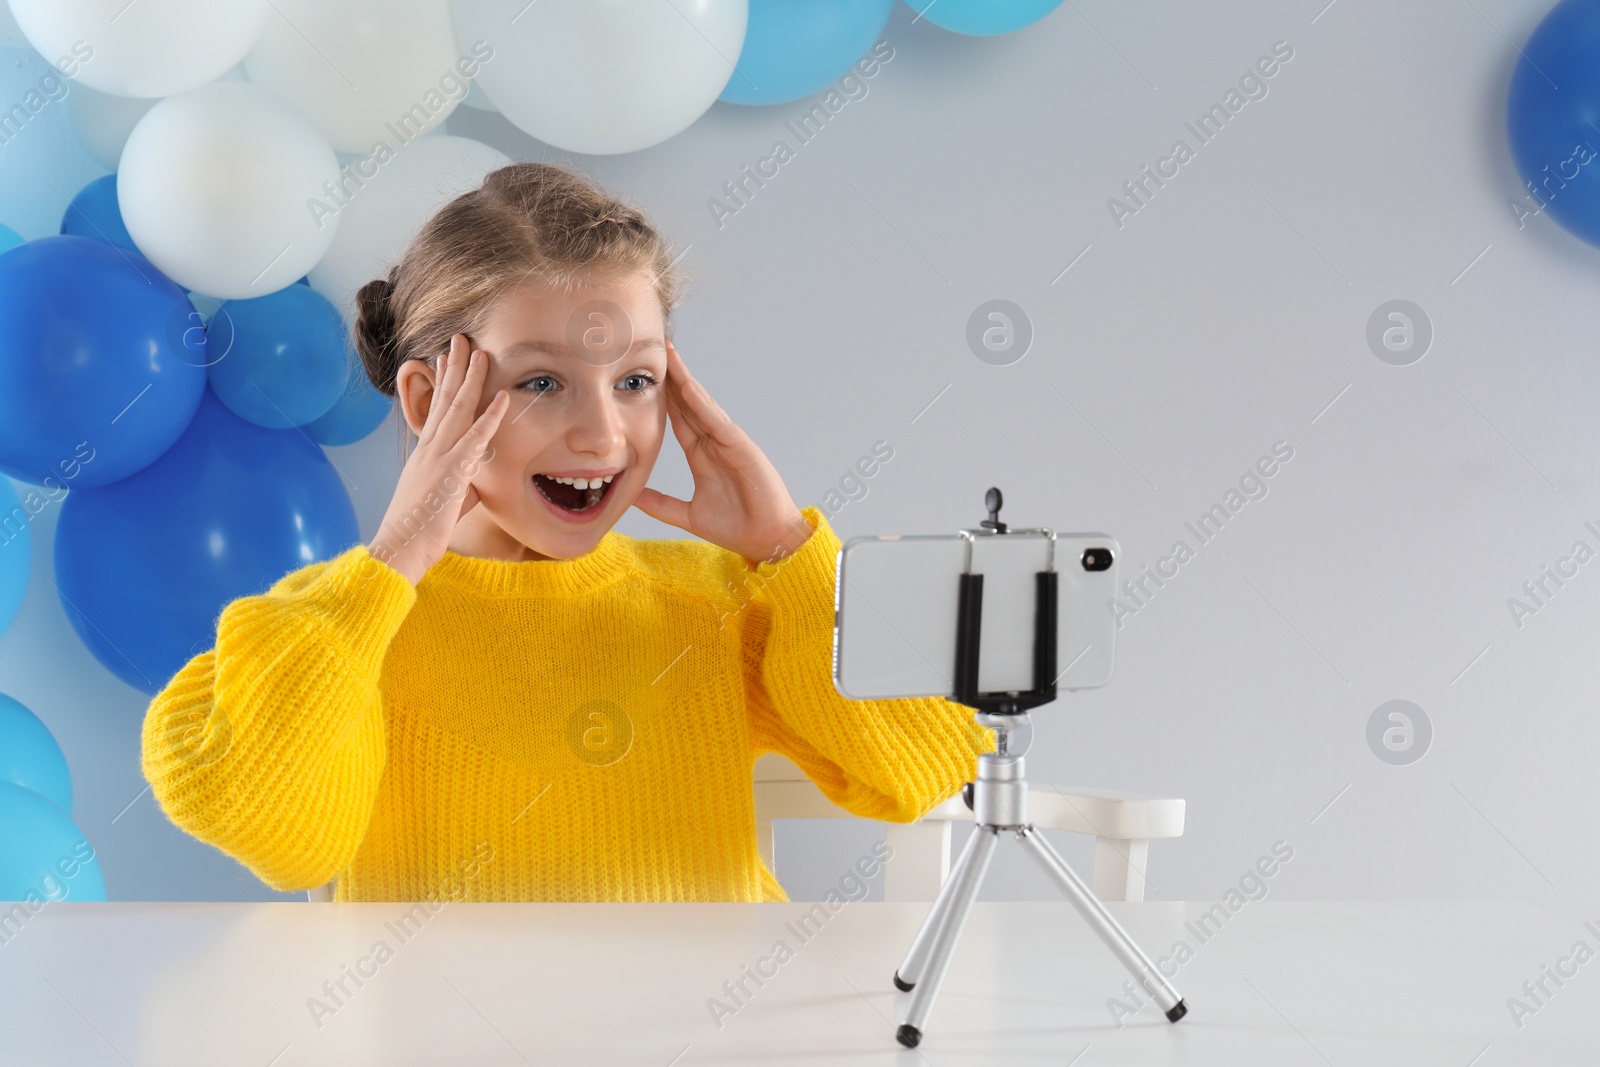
(159, 985)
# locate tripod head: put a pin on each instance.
(992, 500)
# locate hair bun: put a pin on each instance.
(375, 333)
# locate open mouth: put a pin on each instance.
(570, 497)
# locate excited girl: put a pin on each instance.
(500, 696)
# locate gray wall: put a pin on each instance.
(1228, 314)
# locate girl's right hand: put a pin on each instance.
(450, 452)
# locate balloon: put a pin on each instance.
(388, 209)
(359, 411)
(215, 184)
(149, 48)
(364, 70)
(95, 378)
(43, 854)
(793, 50)
(604, 78)
(1553, 143)
(9, 239)
(16, 550)
(43, 157)
(278, 360)
(30, 757)
(10, 33)
(93, 213)
(144, 566)
(982, 18)
(102, 121)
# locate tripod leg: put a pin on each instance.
(911, 967)
(943, 948)
(1110, 931)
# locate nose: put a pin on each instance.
(597, 425)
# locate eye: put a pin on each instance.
(645, 383)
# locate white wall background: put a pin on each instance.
(1230, 313)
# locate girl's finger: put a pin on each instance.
(463, 406)
(664, 508)
(485, 425)
(475, 442)
(708, 417)
(686, 398)
(437, 403)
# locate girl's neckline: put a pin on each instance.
(604, 563)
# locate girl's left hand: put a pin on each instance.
(739, 501)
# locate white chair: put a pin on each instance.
(1122, 824)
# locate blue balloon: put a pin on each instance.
(793, 50)
(144, 566)
(358, 412)
(1553, 140)
(278, 360)
(30, 757)
(983, 18)
(16, 549)
(43, 854)
(99, 369)
(94, 213)
(9, 239)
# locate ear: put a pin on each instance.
(413, 384)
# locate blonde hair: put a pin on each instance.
(527, 220)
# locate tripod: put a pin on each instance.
(998, 799)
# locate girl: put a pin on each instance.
(500, 696)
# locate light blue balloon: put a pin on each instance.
(278, 360)
(42, 150)
(983, 18)
(357, 413)
(94, 213)
(16, 552)
(792, 50)
(30, 757)
(43, 854)
(9, 238)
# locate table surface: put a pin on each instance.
(1274, 983)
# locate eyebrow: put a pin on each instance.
(559, 348)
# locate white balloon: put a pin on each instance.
(144, 48)
(364, 70)
(216, 187)
(102, 121)
(604, 76)
(385, 211)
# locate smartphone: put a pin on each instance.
(895, 602)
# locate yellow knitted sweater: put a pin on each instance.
(572, 730)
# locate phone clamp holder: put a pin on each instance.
(999, 801)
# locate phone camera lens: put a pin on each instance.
(1096, 559)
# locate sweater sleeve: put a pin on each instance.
(270, 745)
(880, 759)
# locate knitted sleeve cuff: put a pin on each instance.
(360, 602)
(801, 584)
